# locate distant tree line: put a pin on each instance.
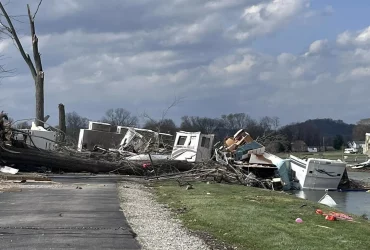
(267, 130)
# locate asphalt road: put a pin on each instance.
(65, 217)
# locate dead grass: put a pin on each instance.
(251, 218)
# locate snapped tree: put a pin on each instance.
(34, 66)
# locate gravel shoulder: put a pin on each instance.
(154, 224)
(14, 186)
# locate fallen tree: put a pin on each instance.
(93, 162)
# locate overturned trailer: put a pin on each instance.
(317, 173)
(249, 156)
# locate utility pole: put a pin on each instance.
(323, 143)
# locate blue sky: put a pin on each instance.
(295, 59)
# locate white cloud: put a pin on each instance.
(286, 58)
(4, 45)
(318, 47)
(194, 32)
(344, 38)
(359, 38)
(222, 4)
(265, 17)
(361, 72)
(243, 66)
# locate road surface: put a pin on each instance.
(83, 213)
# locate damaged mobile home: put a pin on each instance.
(126, 138)
(242, 152)
(187, 146)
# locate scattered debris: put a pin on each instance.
(333, 216)
(361, 165)
(324, 227)
(103, 148)
(327, 200)
(299, 220)
(8, 170)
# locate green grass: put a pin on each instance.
(252, 218)
(332, 155)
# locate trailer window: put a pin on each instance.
(205, 142)
(181, 140)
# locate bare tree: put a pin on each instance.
(163, 122)
(269, 123)
(365, 121)
(75, 122)
(34, 66)
(237, 121)
(202, 124)
(120, 117)
(166, 126)
(3, 71)
(360, 129)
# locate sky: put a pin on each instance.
(294, 59)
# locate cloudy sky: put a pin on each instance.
(295, 59)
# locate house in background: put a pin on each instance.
(356, 144)
(360, 146)
(312, 149)
(299, 146)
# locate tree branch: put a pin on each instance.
(175, 102)
(38, 6)
(12, 31)
(164, 113)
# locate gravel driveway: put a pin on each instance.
(152, 222)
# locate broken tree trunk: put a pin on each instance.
(72, 161)
(39, 77)
(62, 121)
